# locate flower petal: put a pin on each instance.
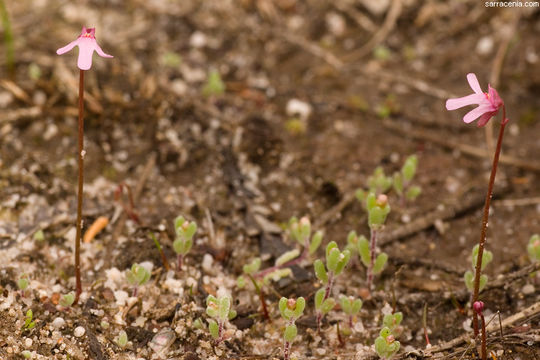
(100, 52)
(86, 50)
(473, 83)
(476, 113)
(68, 47)
(453, 104)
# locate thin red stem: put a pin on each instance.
(484, 345)
(80, 190)
(483, 235)
(261, 274)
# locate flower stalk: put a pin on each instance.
(81, 152)
(485, 218)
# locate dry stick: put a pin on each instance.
(80, 190)
(381, 34)
(483, 234)
(464, 148)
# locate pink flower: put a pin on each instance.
(87, 44)
(488, 103)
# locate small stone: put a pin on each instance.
(58, 323)
(198, 40)
(485, 45)
(298, 108)
(28, 342)
(79, 331)
(528, 289)
(207, 262)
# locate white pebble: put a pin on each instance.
(79, 331)
(485, 45)
(298, 108)
(207, 262)
(528, 289)
(28, 342)
(58, 323)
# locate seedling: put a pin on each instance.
(219, 309)
(393, 323)
(29, 323)
(335, 263)
(533, 248)
(378, 209)
(300, 231)
(487, 256)
(67, 300)
(23, 283)
(26, 354)
(136, 276)
(386, 344)
(290, 310)
(402, 180)
(87, 45)
(214, 85)
(122, 339)
(378, 183)
(489, 105)
(351, 307)
(184, 238)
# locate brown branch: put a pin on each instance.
(464, 148)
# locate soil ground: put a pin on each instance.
(371, 78)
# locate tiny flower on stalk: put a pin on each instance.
(488, 103)
(87, 45)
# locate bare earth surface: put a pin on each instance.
(372, 78)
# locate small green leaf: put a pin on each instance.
(381, 347)
(320, 271)
(300, 306)
(122, 339)
(241, 282)
(178, 222)
(533, 248)
(346, 305)
(344, 258)
(315, 242)
(380, 262)
(224, 307)
(363, 250)
(328, 305)
(413, 192)
(360, 195)
(214, 85)
(23, 283)
(319, 296)
(332, 260)
(232, 314)
(483, 282)
(67, 300)
(356, 306)
(409, 168)
(376, 216)
(283, 307)
(331, 245)
(213, 328)
(370, 201)
(290, 333)
(287, 256)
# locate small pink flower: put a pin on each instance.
(488, 103)
(87, 44)
(478, 306)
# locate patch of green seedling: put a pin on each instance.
(219, 309)
(136, 276)
(184, 238)
(533, 248)
(335, 263)
(351, 307)
(378, 209)
(402, 180)
(67, 300)
(290, 310)
(29, 322)
(487, 256)
(214, 85)
(386, 344)
(300, 231)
